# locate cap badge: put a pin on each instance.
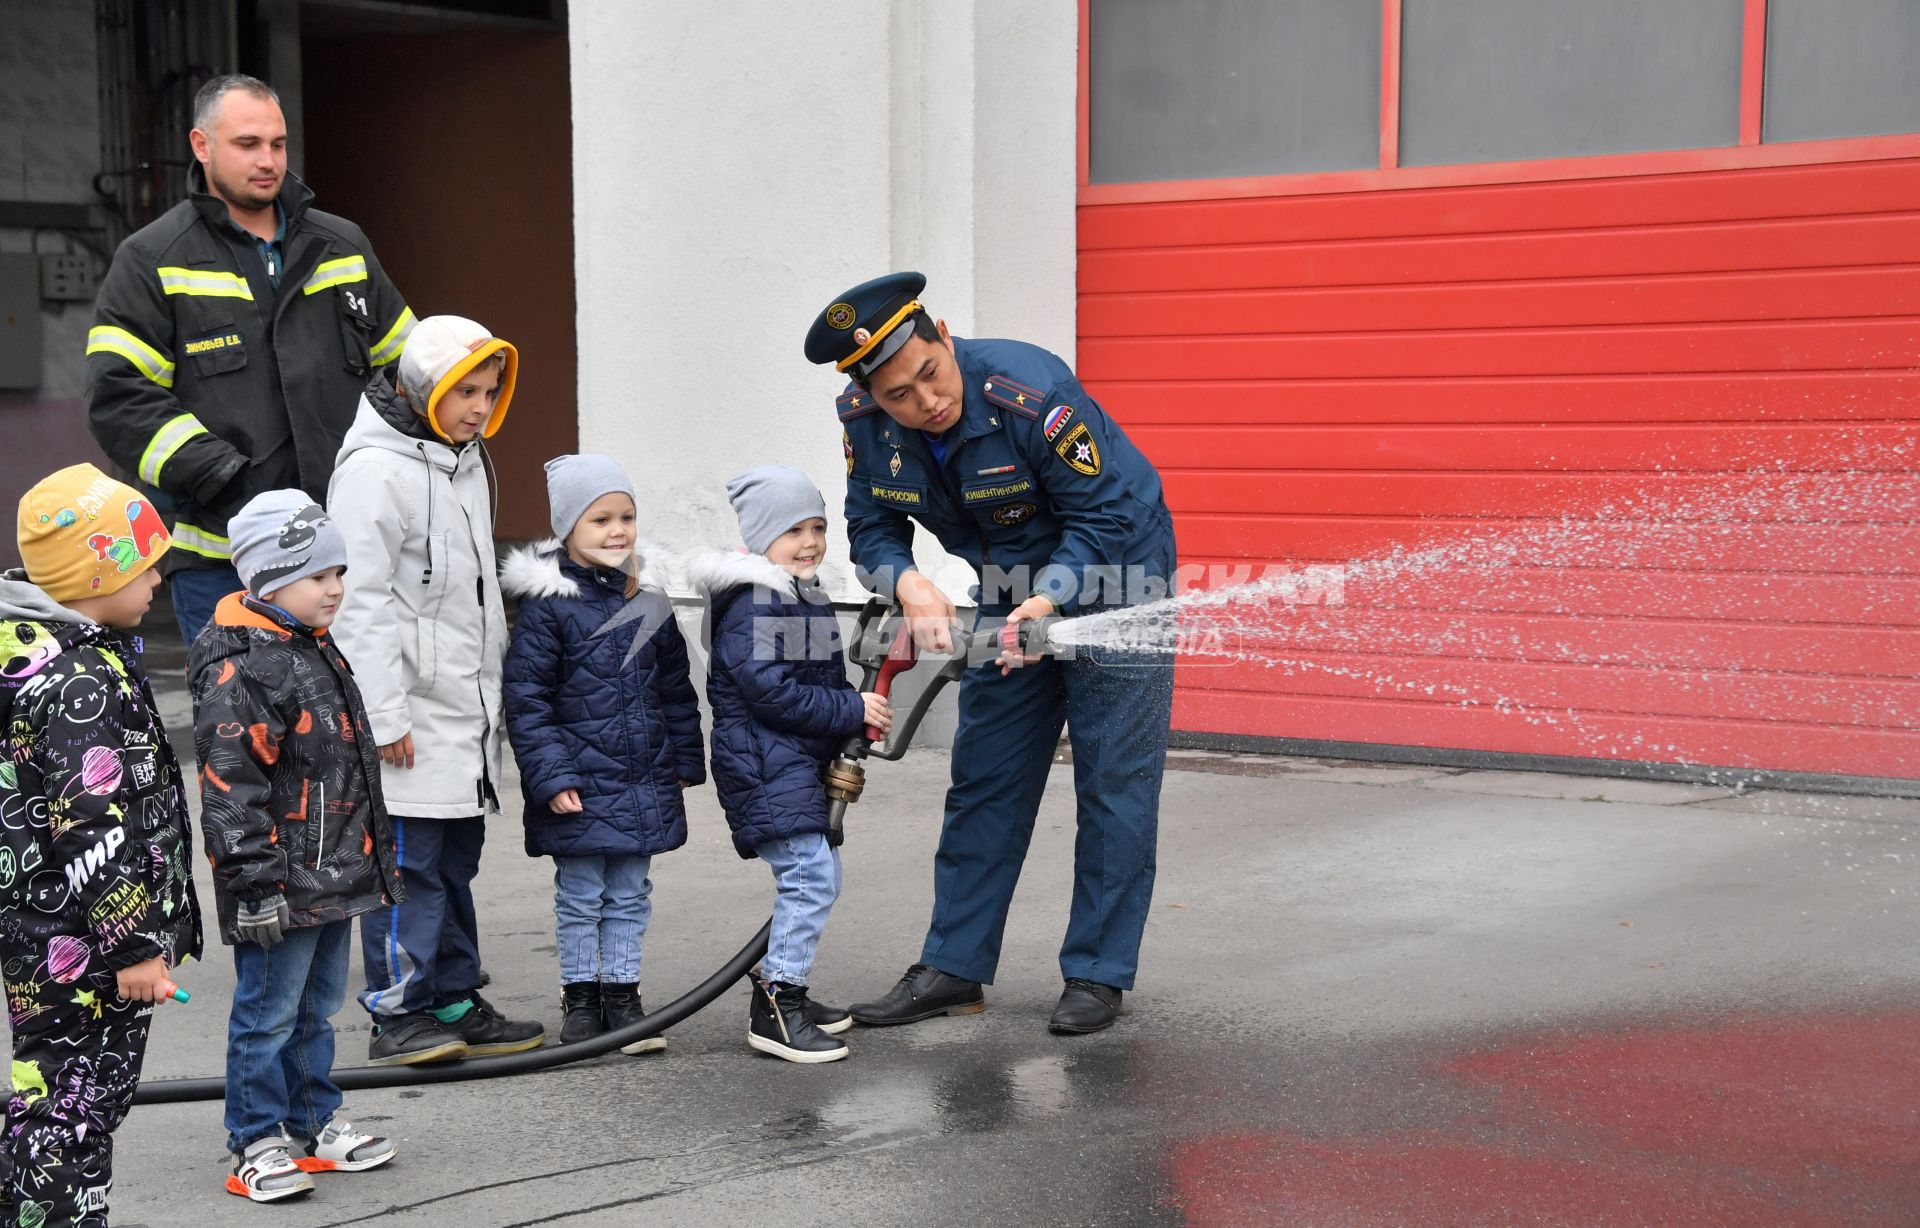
(840, 316)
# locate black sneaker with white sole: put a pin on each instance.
(488, 1033)
(777, 1023)
(829, 1019)
(407, 1040)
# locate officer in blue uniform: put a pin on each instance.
(997, 450)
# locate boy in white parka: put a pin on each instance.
(425, 628)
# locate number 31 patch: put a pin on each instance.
(1078, 449)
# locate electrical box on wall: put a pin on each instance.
(67, 279)
(19, 320)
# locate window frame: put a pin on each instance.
(1390, 175)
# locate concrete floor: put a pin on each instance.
(1370, 995)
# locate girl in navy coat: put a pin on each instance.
(782, 707)
(605, 726)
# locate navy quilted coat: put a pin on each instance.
(581, 715)
(782, 705)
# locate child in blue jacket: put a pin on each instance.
(782, 707)
(605, 725)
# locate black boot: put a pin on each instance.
(581, 1002)
(1085, 1006)
(921, 994)
(777, 1023)
(829, 1019)
(621, 1003)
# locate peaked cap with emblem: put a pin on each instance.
(883, 308)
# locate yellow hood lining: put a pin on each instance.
(481, 353)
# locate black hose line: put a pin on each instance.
(369, 1078)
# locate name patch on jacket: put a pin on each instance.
(984, 494)
(213, 343)
(896, 494)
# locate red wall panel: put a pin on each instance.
(1617, 468)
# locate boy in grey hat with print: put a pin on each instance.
(301, 842)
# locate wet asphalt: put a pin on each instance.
(1370, 995)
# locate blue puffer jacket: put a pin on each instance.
(582, 715)
(777, 683)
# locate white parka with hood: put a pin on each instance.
(422, 623)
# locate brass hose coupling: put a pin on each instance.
(845, 779)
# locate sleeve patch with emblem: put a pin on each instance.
(1056, 421)
(1079, 449)
(846, 445)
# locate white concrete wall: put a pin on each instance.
(737, 165)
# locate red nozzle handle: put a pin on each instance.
(900, 658)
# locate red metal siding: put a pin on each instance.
(1718, 373)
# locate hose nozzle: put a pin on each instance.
(844, 778)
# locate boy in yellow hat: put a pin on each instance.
(96, 895)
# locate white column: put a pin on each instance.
(736, 166)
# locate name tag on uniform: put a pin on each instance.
(212, 343)
(902, 495)
(1005, 490)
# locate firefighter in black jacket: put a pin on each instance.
(232, 338)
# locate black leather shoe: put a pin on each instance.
(921, 994)
(1085, 1006)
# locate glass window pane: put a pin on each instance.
(1841, 68)
(1204, 89)
(1506, 80)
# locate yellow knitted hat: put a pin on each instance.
(82, 534)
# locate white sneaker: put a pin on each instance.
(266, 1172)
(343, 1149)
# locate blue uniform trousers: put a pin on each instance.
(1116, 707)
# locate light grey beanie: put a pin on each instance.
(281, 536)
(575, 480)
(770, 499)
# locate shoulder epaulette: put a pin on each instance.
(854, 403)
(1012, 394)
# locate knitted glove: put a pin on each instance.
(264, 921)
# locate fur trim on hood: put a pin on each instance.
(712, 572)
(535, 571)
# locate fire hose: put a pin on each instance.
(882, 658)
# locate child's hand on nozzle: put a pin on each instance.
(146, 981)
(879, 711)
(567, 801)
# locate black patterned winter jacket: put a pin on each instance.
(95, 837)
(289, 773)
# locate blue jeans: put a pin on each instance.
(806, 882)
(601, 906)
(279, 1037)
(196, 590)
(425, 952)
